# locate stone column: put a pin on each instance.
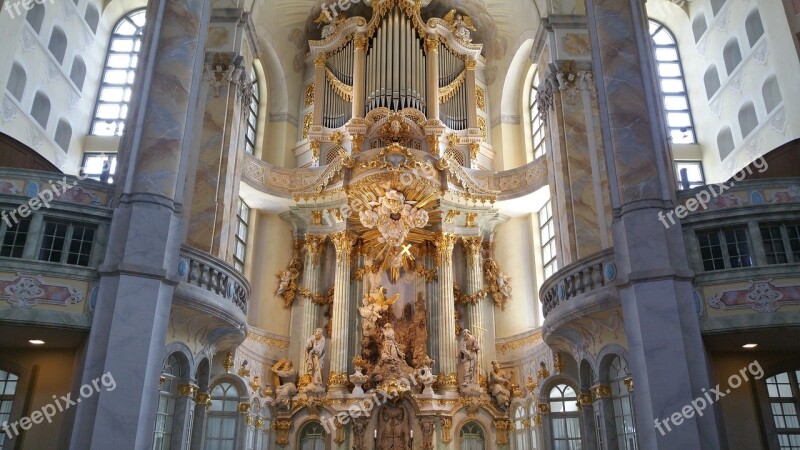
(432, 302)
(472, 94)
(319, 89)
(446, 324)
(306, 314)
(666, 352)
(359, 75)
(474, 284)
(344, 241)
(432, 58)
(138, 275)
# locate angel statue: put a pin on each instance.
(461, 24)
(374, 303)
(333, 19)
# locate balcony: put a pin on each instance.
(744, 248)
(52, 238)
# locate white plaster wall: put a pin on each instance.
(514, 252)
(269, 253)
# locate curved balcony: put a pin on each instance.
(211, 292)
(579, 288)
(744, 247)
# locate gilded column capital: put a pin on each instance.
(584, 400)
(320, 60)
(360, 42)
(601, 391)
(628, 383)
(315, 244)
(447, 425)
(502, 426)
(432, 43)
(358, 142)
(344, 242)
(472, 248)
(203, 398)
(470, 64)
(444, 245)
(282, 427)
(337, 379)
(544, 408)
(187, 390)
(244, 407)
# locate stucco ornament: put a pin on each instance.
(394, 217)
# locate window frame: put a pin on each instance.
(4, 230)
(138, 35)
(222, 413)
(723, 244)
(619, 395)
(239, 240)
(252, 116)
(66, 247)
(791, 244)
(681, 77)
(537, 122)
(692, 184)
(109, 167)
(548, 264)
(10, 399)
(765, 401)
(565, 415)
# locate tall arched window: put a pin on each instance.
(748, 120)
(732, 55)
(672, 85)
(725, 143)
(252, 117)
(534, 429)
(771, 94)
(623, 405)
(172, 373)
(223, 417)
(312, 437)
(40, 110)
(78, 73)
(754, 27)
(565, 419)
(699, 26)
(520, 438)
(17, 81)
(537, 124)
(63, 134)
(35, 17)
(58, 44)
(118, 75)
(92, 17)
(783, 391)
(472, 437)
(8, 386)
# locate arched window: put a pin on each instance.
(725, 143)
(63, 134)
(92, 17)
(534, 429)
(520, 437)
(564, 418)
(263, 424)
(748, 120)
(118, 75)
(78, 72)
(40, 111)
(172, 373)
(58, 44)
(783, 392)
(312, 437)
(754, 27)
(732, 55)
(699, 26)
(17, 81)
(472, 437)
(537, 124)
(252, 117)
(711, 80)
(672, 85)
(623, 405)
(771, 93)
(222, 418)
(35, 17)
(8, 386)
(547, 228)
(716, 5)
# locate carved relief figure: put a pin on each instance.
(462, 25)
(285, 389)
(394, 428)
(428, 427)
(499, 386)
(390, 350)
(468, 357)
(315, 356)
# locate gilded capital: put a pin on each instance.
(358, 142)
(601, 391)
(343, 241)
(432, 43)
(628, 383)
(282, 427)
(470, 64)
(320, 60)
(314, 245)
(187, 390)
(444, 246)
(472, 248)
(360, 42)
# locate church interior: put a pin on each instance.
(400, 224)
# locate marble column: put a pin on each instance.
(359, 75)
(473, 276)
(306, 314)
(446, 325)
(215, 190)
(319, 89)
(666, 351)
(432, 73)
(337, 381)
(138, 275)
(432, 302)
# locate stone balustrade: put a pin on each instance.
(579, 278)
(215, 276)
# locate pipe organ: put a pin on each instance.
(394, 62)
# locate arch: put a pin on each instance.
(311, 436)
(92, 17)
(537, 130)
(513, 107)
(40, 111)
(78, 72)
(565, 419)
(672, 85)
(58, 44)
(174, 372)
(699, 26)
(35, 17)
(748, 120)
(118, 76)
(771, 93)
(754, 27)
(222, 422)
(16, 81)
(732, 55)
(725, 144)
(617, 373)
(716, 5)
(472, 436)
(711, 81)
(63, 134)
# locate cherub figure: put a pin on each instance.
(461, 24)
